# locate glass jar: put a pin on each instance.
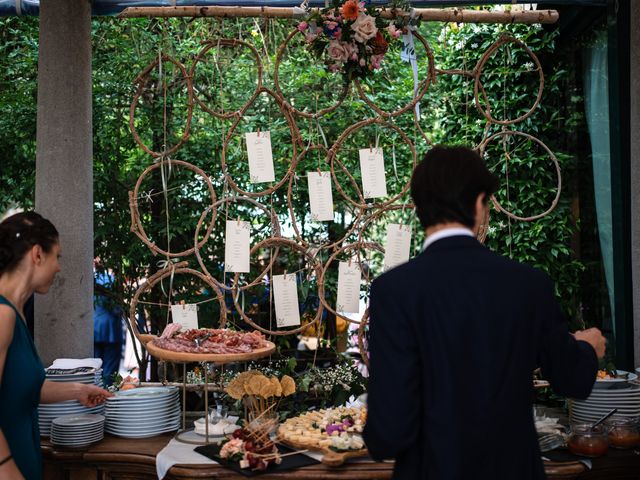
(623, 432)
(588, 441)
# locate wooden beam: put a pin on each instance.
(426, 14)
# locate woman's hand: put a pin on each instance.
(91, 395)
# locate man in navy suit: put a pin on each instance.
(455, 335)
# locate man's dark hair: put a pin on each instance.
(445, 185)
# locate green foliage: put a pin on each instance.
(122, 49)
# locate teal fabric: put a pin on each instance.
(22, 381)
(596, 103)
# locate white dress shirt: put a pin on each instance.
(446, 232)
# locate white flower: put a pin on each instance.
(364, 28)
(460, 45)
(528, 66)
(474, 45)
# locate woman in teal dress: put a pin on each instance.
(29, 252)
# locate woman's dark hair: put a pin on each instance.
(20, 232)
(445, 185)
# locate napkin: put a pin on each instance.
(177, 452)
(226, 425)
(68, 363)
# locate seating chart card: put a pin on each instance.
(186, 314)
(320, 196)
(237, 246)
(397, 245)
(349, 276)
(260, 157)
(285, 295)
(374, 182)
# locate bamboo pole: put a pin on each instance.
(426, 14)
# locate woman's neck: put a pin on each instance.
(14, 287)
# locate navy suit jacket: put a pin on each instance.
(455, 334)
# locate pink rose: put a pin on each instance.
(310, 37)
(334, 67)
(364, 28)
(362, 62)
(302, 26)
(376, 60)
(394, 31)
(338, 51)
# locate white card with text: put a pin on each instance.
(374, 181)
(285, 295)
(185, 314)
(349, 276)
(260, 157)
(320, 196)
(237, 246)
(396, 250)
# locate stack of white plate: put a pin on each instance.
(143, 412)
(77, 430)
(601, 401)
(81, 375)
(48, 411)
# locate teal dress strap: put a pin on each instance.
(22, 381)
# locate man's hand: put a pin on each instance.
(593, 337)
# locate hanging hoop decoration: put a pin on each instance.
(321, 290)
(422, 88)
(334, 160)
(200, 59)
(295, 139)
(278, 88)
(276, 233)
(554, 203)
(364, 354)
(281, 242)
(292, 215)
(141, 82)
(478, 87)
(136, 224)
(173, 269)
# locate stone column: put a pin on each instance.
(64, 176)
(634, 94)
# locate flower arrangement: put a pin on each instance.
(352, 38)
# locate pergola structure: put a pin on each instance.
(64, 172)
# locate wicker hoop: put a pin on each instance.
(292, 215)
(136, 224)
(281, 242)
(333, 159)
(554, 203)
(422, 89)
(478, 86)
(275, 230)
(173, 269)
(278, 88)
(141, 80)
(294, 142)
(484, 226)
(353, 246)
(227, 43)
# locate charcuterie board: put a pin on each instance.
(184, 357)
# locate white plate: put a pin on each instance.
(150, 424)
(608, 383)
(86, 419)
(137, 416)
(142, 402)
(143, 393)
(72, 438)
(77, 443)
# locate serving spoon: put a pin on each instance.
(603, 418)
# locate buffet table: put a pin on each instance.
(117, 458)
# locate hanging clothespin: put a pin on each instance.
(370, 147)
(182, 302)
(238, 220)
(349, 262)
(319, 172)
(285, 274)
(258, 133)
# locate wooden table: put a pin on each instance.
(118, 459)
